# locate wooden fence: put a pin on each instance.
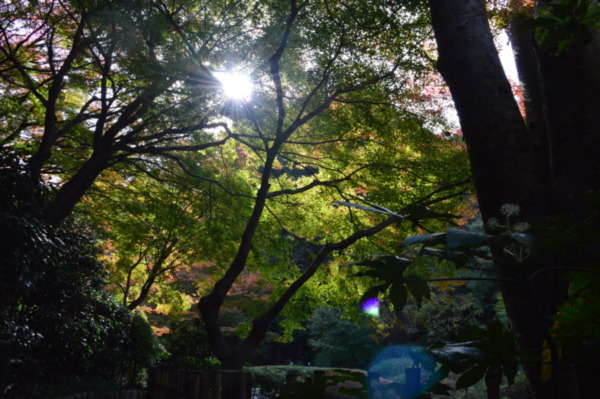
(182, 384)
(126, 394)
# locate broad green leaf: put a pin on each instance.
(456, 351)
(471, 377)
(398, 295)
(386, 268)
(374, 292)
(365, 208)
(417, 213)
(440, 389)
(428, 239)
(418, 288)
(465, 239)
(581, 280)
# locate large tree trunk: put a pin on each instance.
(571, 90)
(510, 158)
(521, 39)
(71, 192)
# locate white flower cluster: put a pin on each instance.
(518, 251)
(510, 209)
(493, 223)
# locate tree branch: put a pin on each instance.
(314, 183)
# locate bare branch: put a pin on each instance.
(151, 148)
(315, 183)
(274, 67)
(211, 181)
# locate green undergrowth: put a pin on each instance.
(273, 378)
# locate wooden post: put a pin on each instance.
(192, 385)
(162, 384)
(197, 385)
(165, 384)
(205, 381)
(235, 385)
(5, 355)
(151, 383)
(215, 386)
(154, 381)
(178, 387)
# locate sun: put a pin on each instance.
(236, 85)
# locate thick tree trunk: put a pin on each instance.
(71, 192)
(495, 132)
(571, 90)
(521, 39)
(509, 157)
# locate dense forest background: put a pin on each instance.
(152, 215)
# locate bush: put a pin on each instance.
(63, 326)
(187, 346)
(272, 378)
(338, 342)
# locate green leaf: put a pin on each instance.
(386, 267)
(440, 389)
(374, 292)
(418, 288)
(428, 239)
(367, 208)
(579, 281)
(398, 295)
(417, 213)
(466, 239)
(471, 377)
(453, 354)
(531, 242)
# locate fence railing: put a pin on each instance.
(182, 384)
(126, 394)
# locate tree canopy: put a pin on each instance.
(113, 116)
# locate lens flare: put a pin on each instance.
(371, 307)
(404, 371)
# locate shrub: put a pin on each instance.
(338, 342)
(63, 326)
(187, 346)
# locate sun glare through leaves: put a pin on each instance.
(236, 85)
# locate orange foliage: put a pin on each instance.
(449, 285)
(518, 93)
(507, 9)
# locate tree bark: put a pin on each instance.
(571, 94)
(521, 40)
(508, 155)
(493, 128)
(71, 192)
